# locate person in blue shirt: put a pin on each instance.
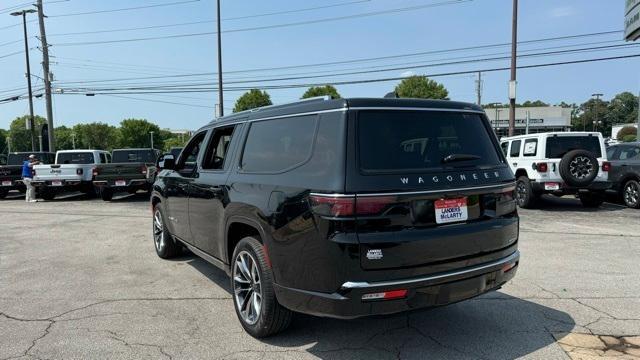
(27, 177)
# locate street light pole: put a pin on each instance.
(151, 132)
(512, 83)
(220, 95)
(597, 96)
(24, 13)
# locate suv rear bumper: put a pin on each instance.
(427, 291)
(564, 188)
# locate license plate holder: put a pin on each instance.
(552, 186)
(56, 183)
(121, 183)
(7, 183)
(451, 210)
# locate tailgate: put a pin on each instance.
(408, 230)
(59, 172)
(121, 171)
(10, 173)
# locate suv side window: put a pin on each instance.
(103, 158)
(505, 147)
(218, 149)
(530, 147)
(187, 163)
(279, 145)
(515, 148)
(629, 152)
(612, 153)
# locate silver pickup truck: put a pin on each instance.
(72, 171)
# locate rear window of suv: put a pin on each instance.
(75, 158)
(124, 156)
(557, 146)
(399, 141)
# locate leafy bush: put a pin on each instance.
(629, 138)
(627, 130)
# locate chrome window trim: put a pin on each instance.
(416, 109)
(363, 285)
(505, 186)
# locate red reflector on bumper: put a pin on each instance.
(387, 295)
(508, 267)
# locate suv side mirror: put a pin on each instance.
(166, 162)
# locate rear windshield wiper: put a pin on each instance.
(459, 157)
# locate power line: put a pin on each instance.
(299, 23)
(159, 101)
(124, 9)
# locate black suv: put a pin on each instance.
(343, 208)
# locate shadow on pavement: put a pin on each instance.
(493, 326)
(555, 204)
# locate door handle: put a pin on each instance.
(183, 186)
(515, 164)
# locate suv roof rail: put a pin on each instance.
(315, 98)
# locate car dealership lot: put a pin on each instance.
(80, 279)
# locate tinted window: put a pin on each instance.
(75, 158)
(515, 148)
(415, 140)
(218, 149)
(629, 152)
(103, 158)
(19, 158)
(187, 161)
(557, 146)
(277, 145)
(124, 156)
(175, 152)
(504, 146)
(530, 147)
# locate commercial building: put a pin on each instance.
(541, 119)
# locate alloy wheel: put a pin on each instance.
(631, 194)
(521, 192)
(580, 167)
(247, 287)
(158, 230)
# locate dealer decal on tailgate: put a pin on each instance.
(451, 210)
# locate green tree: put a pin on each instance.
(136, 133)
(321, 91)
(20, 136)
(421, 87)
(96, 136)
(622, 109)
(3, 141)
(64, 138)
(627, 132)
(536, 103)
(252, 99)
(590, 111)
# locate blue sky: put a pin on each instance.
(448, 26)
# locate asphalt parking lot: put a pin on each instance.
(79, 279)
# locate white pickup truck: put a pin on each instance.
(72, 171)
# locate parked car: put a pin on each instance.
(625, 172)
(175, 151)
(343, 208)
(11, 173)
(130, 170)
(559, 163)
(72, 171)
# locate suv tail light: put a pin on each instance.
(606, 166)
(143, 169)
(96, 171)
(346, 205)
(542, 167)
(79, 171)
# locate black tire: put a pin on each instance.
(166, 247)
(591, 199)
(132, 191)
(91, 192)
(271, 317)
(579, 168)
(525, 197)
(47, 195)
(631, 194)
(106, 194)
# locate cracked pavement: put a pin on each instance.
(79, 279)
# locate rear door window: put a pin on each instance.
(76, 158)
(397, 141)
(515, 148)
(629, 152)
(557, 146)
(504, 146)
(530, 147)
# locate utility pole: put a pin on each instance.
(595, 121)
(220, 95)
(479, 88)
(512, 83)
(151, 132)
(47, 77)
(30, 124)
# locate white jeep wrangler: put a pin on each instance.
(558, 163)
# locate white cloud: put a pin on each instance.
(407, 73)
(562, 11)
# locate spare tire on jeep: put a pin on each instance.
(578, 168)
